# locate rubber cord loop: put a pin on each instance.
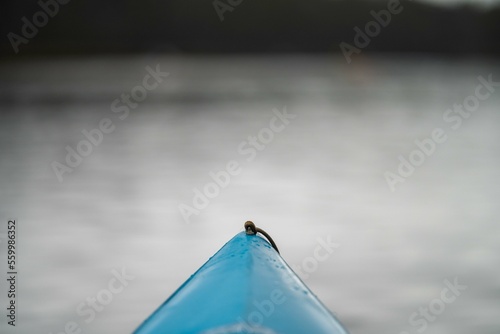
(251, 229)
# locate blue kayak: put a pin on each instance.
(246, 287)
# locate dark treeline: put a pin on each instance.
(194, 26)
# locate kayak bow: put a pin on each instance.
(246, 287)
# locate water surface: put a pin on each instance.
(321, 177)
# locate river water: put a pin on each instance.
(316, 177)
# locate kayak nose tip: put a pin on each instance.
(250, 228)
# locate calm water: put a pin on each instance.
(322, 176)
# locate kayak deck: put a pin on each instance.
(246, 287)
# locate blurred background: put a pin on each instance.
(360, 97)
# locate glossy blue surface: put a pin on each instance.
(246, 287)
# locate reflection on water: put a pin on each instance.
(322, 176)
